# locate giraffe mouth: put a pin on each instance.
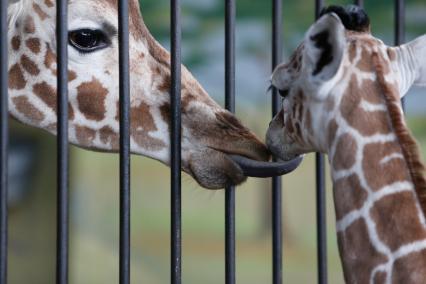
(254, 168)
(214, 169)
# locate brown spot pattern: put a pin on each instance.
(402, 224)
(332, 130)
(110, 137)
(71, 75)
(85, 135)
(141, 124)
(40, 12)
(410, 269)
(358, 254)
(165, 85)
(365, 63)
(49, 58)
(33, 44)
(344, 157)
(16, 43)
(91, 100)
(349, 195)
(16, 78)
(70, 112)
(48, 95)
(367, 123)
(29, 65)
(380, 278)
(28, 109)
(48, 3)
(409, 146)
(379, 174)
(29, 26)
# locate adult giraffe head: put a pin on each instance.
(209, 132)
(342, 91)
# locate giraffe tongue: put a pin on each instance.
(253, 168)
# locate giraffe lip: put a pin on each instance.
(253, 168)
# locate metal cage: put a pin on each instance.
(175, 183)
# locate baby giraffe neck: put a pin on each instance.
(380, 225)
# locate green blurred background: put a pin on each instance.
(94, 176)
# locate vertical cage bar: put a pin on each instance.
(230, 12)
(359, 3)
(4, 140)
(277, 248)
(399, 22)
(124, 93)
(321, 198)
(176, 231)
(321, 219)
(399, 28)
(62, 142)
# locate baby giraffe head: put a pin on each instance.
(336, 78)
(209, 133)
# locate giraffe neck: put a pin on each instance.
(381, 229)
(380, 224)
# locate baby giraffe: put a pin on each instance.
(341, 96)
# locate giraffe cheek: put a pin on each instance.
(91, 99)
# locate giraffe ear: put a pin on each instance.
(410, 60)
(324, 47)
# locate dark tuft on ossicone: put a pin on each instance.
(353, 17)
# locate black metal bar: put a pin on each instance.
(176, 203)
(399, 22)
(321, 198)
(4, 140)
(230, 12)
(277, 247)
(62, 142)
(124, 92)
(359, 3)
(319, 4)
(400, 27)
(321, 219)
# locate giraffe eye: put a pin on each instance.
(88, 40)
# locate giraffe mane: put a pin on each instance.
(410, 148)
(353, 17)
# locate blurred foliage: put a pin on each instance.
(298, 16)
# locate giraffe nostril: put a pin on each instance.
(283, 93)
